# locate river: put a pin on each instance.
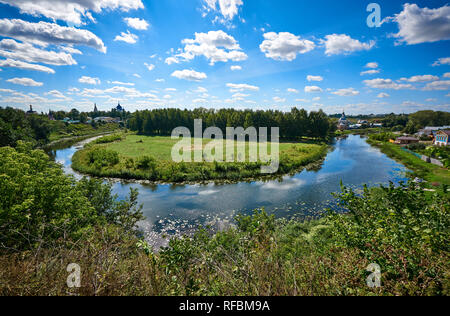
(171, 210)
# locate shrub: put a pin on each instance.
(146, 163)
(101, 157)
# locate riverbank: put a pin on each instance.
(145, 158)
(433, 174)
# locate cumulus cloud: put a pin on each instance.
(372, 65)
(74, 11)
(44, 33)
(336, 44)
(442, 61)
(284, 46)
(383, 95)
(28, 82)
(137, 23)
(314, 78)
(370, 72)
(150, 67)
(422, 25)
(228, 8)
(216, 46)
(380, 83)
(239, 87)
(9, 48)
(11, 63)
(423, 78)
(190, 75)
(310, 89)
(291, 90)
(438, 85)
(350, 92)
(122, 83)
(127, 38)
(235, 68)
(279, 100)
(89, 80)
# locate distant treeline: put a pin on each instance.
(39, 129)
(413, 122)
(294, 124)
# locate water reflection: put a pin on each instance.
(180, 209)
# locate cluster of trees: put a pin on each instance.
(39, 204)
(16, 125)
(413, 122)
(294, 124)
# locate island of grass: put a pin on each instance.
(135, 157)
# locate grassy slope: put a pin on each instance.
(292, 157)
(429, 172)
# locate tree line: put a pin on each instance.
(294, 124)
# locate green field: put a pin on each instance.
(149, 158)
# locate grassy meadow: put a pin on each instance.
(149, 158)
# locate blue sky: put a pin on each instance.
(258, 54)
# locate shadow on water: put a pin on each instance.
(179, 209)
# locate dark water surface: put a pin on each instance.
(175, 209)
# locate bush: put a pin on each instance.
(101, 157)
(146, 163)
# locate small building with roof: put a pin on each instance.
(442, 138)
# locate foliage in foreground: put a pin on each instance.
(402, 229)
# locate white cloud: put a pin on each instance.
(127, 38)
(386, 84)
(150, 67)
(310, 89)
(442, 61)
(26, 66)
(279, 100)
(446, 75)
(25, 82)
(58, 95)
(201, 90)
(241, 87)
(137, 23)
(370, 72)
(422, 25)
(189, 75)
(44, 33)
(122, 83)
(89, 80)
(372, 65)
(228, 8)
(438, 85)
(336, 44)
(383, 95)
(9, 48)
(423, 78)
(291, 90)
(346, 92)
(431, 100)
(284, 46)
(172, 60)
(234, 68)
(216, 46)
(137, 76)
(314, 78)
(74, 11)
